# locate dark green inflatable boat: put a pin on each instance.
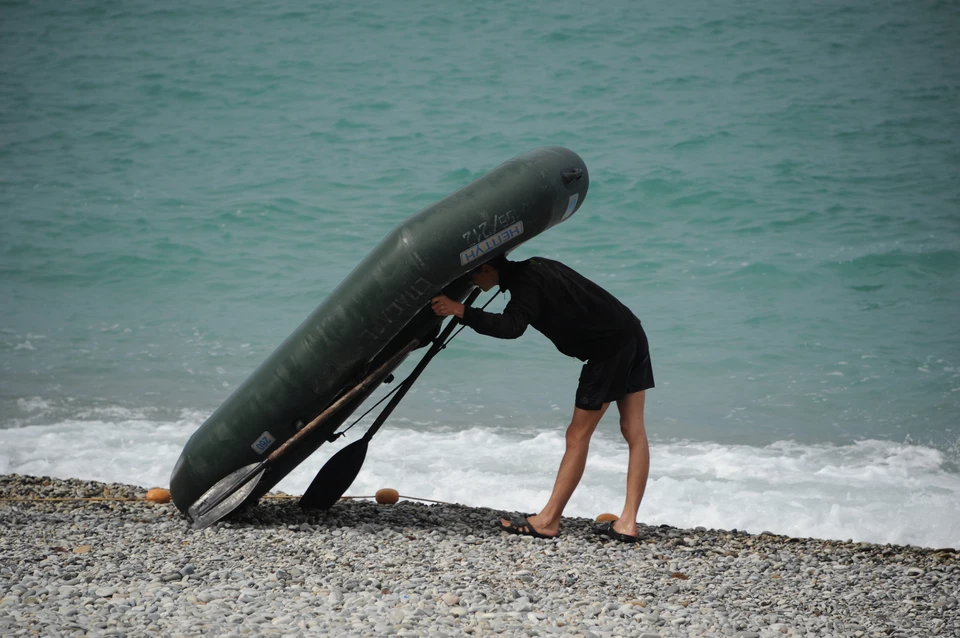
(370, 322)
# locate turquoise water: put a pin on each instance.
(774, 191)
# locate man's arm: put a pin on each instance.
(523, 308)
(444, 306)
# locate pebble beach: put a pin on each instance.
(119, 565)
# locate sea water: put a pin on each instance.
(774, 192)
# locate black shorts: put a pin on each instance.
(610, 379)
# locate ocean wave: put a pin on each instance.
(934, 263)
(876, 491)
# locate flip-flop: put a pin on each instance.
(606, 529)
(521, 526)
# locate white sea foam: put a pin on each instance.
(872, 491)
(34, 405)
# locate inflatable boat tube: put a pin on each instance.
(373, 313)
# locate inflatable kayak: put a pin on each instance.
(372, 320)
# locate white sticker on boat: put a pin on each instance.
(571, 205)
(263, 444)
(491, 243)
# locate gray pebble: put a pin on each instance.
(439, 570)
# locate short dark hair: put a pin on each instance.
(497, 263)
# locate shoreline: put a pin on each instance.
(132, 567)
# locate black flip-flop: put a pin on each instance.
(606, 529)
(521, 526)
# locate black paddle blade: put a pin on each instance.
(335, 477)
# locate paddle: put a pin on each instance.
(339, 472)
(232, 490)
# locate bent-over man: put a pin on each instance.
(584, 321)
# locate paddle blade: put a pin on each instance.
(335, 477)
(225, 496)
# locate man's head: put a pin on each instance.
(487, 275)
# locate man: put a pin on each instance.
(584, 321)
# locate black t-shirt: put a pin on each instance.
(582, 319)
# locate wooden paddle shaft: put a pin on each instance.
(438, 345)
(305, 431)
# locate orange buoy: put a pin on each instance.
(604, 518)
(387, 496)
(158, 495)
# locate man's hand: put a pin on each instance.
(444, 306)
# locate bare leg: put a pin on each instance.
(638, 465)
(580, 430)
